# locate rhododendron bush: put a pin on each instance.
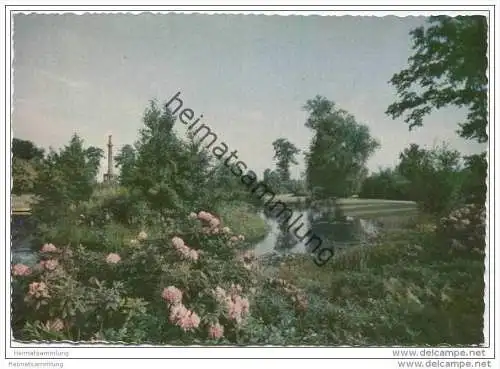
(191, 285)
(464, 229)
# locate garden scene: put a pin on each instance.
(173, 248)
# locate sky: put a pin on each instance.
(249, 75)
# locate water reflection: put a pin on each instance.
(335, 231)
(22, 240)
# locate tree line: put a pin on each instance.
(447, 68)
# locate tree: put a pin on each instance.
(66, 178)
(169, 173)
(284, 153)
(435, 177)
(448, 68)
(474, 187)
(338, 151)
(26, 158)
(125, 161)
(26, 150)
(273, 180)
(24, 174)
(387, 184)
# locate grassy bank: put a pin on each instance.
(243, 219)
(406, 291)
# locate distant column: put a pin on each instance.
(110, 160)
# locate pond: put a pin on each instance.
(21, 240)
(335, 232)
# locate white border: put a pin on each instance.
(85, 351)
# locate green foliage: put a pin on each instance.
(448, 68)
(464, 229)
(475, 173)
(273, 181)
(26, 150)
(407, 290)
(224, 187)
(125, 161)
(66, 178)
(386, 184)
(85, 295)
(339, 150)
(26, 159)
(435, 178)
(24, 175)
(284, 153)
(241, 218)
(168, 173)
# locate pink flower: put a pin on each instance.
(234, 311)
(215, 331)
(214, 222)
(177, 242)
(113, 258)
(21, 270)
(237, 308)
(192, 215)
(189, 321)
(38, 290)
(215, 231)
(236, 289)
(203, 215)
(177, 312)
(50, 264)
(233, 239)
(142, 236)
(193, 255)
(245, 305)
(55, 325)
(48, 247)
(184, 249)
(172, 295)
(184, 318)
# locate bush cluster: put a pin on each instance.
(181, 287)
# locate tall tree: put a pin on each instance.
(169, 172)
(285, 153)
(448, 68)
(66, 178)
(336, 161)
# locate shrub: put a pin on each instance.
(175, 288)
(464, 229)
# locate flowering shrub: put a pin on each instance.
(190, 283)
(464, 229)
